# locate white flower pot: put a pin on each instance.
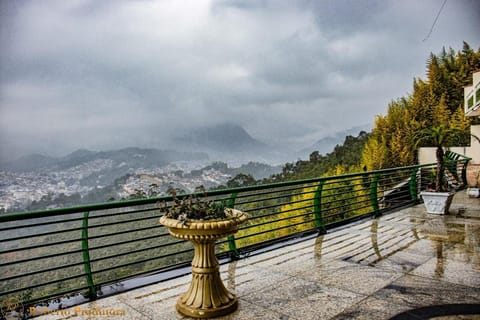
(437, 202)
(473, 192)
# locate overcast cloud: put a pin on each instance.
(107, 74)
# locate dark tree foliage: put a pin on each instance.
(241, 180)
(347, 156)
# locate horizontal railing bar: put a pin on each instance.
(350, 210)
(263, 216)
(42, 271)
(135, 251)
(40, 257)
(336, 188)
(33, 235)
(242, 195)
(74, 229)
(159, 226)
(131, 241)
(276, 229)
(353, 203)
(400, 192)
(261, 200)
(342, 206)
(40, 224)
(121, 213)
(266, 207)
(326, 203)
(41, 284)
(54, 295)
(299, 208)
(344, 182)
(274, 221)
(41, 245)
(122, 222)
(296, 201)
(395, 180)
(150, 271)
(77, 251)
(141, 261)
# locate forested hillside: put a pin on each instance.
(343, 158)
(434, 101)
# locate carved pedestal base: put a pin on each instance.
(206, 297)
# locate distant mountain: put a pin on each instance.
(225, 142)
(224, 137)
(128, 157)
(30, 162)
(327, 144)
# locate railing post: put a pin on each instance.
(231, 239)
(92, 291)
(373, 195)
(464, 172)
(317, 208)
(412, 184)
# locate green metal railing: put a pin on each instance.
(456, 165)
(84, 250)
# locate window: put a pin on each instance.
(470, 102)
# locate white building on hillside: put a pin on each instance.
(472, 97)
(472, 109)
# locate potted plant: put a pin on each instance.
(202, 222)
(437, 198)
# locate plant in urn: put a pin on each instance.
(203, 222)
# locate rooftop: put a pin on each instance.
(407, 264)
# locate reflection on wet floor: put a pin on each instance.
(406, 264)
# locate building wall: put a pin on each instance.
(427, 155)
(470, 91)
(473, 175)
(474, 151)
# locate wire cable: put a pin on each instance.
(435, 21)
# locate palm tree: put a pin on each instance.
(439, 137)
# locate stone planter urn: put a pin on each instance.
(437, 202)
(206, 297)
(473, 192)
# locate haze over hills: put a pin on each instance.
(134, 157)
(326, 145)
(221, 137)
(232, 143)
(209, 156)
(227, 142)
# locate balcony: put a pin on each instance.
(472, 97)
(381, 255)
(403, 262)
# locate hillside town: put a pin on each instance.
(18, 190)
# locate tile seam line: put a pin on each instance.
(391, 280)
(134, 308)
(439, 280)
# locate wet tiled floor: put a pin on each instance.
(403, 265)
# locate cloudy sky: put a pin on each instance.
(107, 74)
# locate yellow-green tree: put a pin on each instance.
(436, 101)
